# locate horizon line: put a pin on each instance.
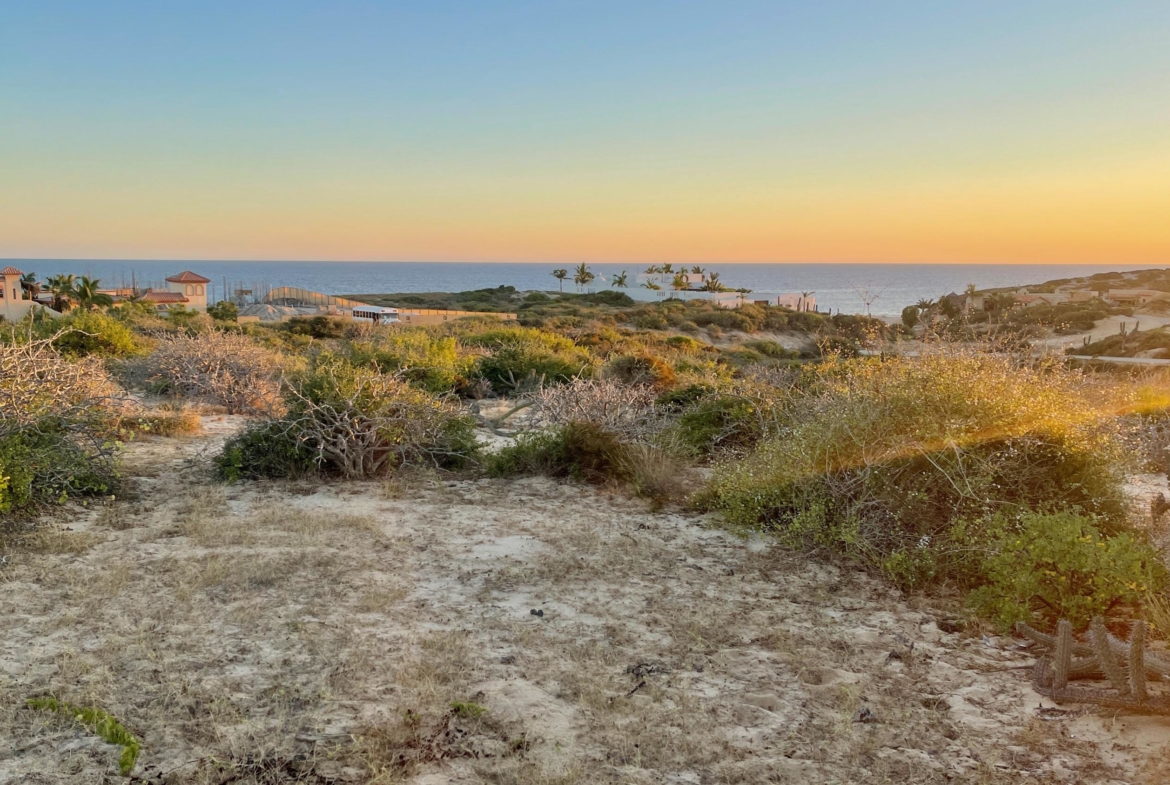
(184, 260)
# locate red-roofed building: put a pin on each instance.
(192, 287)
(15, 300)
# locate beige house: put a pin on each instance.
(13, 304)
(187, 289)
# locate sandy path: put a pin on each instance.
(319, 633)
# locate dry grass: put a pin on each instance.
(272, 635)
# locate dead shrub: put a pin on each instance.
(218, 367)
(354, 422)
(624, 410)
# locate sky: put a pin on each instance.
(980, 131)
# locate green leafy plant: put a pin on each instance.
(99, 722)
(1060, 566)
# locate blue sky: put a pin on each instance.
(754, 131)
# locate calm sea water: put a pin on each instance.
(836, 285)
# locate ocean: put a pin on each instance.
(836, 286)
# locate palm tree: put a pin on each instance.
(712, 283)
(651, 285)
(924, 304)
(63, 292)
(653, 270)
(804, 299)
(668, 269)
(583, 276)
(88, 296)
(680, 282)
(619, 280)
(560, 275)
(697, 270)
(30, 284)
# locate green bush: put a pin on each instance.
(878, 461)
(1060, 566)
(264, 450)
(41, 465)
(524, 356)
(579, 451)
(434, 363)
(720, 422)
(224, 311)
(92, 333)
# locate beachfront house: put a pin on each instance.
(187, 289)
(15, 300)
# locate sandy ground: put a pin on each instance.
(437, 631)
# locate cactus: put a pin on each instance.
(1128, 666)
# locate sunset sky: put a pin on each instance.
(978, 131)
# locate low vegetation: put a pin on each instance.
(928, 470)
(931, 469)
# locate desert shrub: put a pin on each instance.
(680, 398)
(435, 363)
(218, 367)
(316, 326)
(57, 422)
(224, 311)
(685, 343)
(771, 350)
(266, 449)
(641, 369)
(578, 451)
(717, 423)
(93, 333)
(627, 411)
(656, 471)
(1060, 566)
(354, 422)
(879, 460)
(526, 357)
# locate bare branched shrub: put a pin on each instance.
(627, 411)
(218, 367)
(56, 421)
(352, 421)
(36, 383)
(361, 424)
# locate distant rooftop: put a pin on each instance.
(188, 277)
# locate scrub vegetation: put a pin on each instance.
(984, 480)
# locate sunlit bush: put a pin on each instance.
(879, 460)
(524, 357)
(435, 363)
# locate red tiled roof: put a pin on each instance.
(188, 277)
(163, 297)
(10, 270)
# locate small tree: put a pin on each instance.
(224, 311)
(620, 280)
(910, 316)
(561, 275)
(583, 276)
(88, 296)
(680, 282)
(62, 287)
